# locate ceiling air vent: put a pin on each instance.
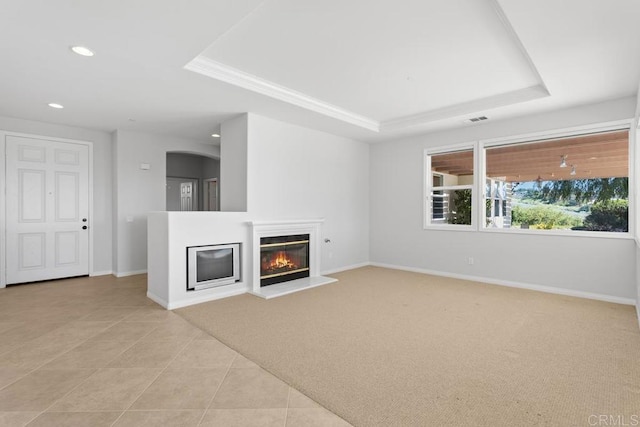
(476, 119)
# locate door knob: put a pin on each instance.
(84, 227)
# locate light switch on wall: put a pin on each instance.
(145, 166)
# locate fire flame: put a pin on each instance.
(281, 261)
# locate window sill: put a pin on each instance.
(450, 227)
(562, 233)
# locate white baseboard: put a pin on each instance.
(101, 273)
(129, 273)
(157, 300)
(201, 299)
(540, 288)
(348, 267)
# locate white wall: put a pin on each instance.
(139, 191)
(233, 165)
(210, 168)
(101, 222)
(299, 173)
(279, 172)
(602, 266)
(172, 232)
(638, 282)
(184, 165)
(636, 138)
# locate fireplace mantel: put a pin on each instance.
(312, 227)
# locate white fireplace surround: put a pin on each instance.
(171, 233)
(312, 227)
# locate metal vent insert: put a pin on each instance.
(476, 119)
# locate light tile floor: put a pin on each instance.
(97, 352)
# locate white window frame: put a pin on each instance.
(428, 187)
(501, 205)
(556, 134)
(433, 175)
(478, 208)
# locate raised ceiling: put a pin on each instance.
(365, 70)
(377, 61)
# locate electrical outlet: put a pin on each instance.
(470, 260)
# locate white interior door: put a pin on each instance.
(47, 209)
(186, 196)
(182, 194)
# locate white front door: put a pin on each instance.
(47, 209)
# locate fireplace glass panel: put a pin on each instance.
(283, 258)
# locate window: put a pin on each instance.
(449, 188)
(498, 203)
(578, 183)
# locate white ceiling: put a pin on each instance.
(370, 70)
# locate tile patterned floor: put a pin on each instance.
(97, 352)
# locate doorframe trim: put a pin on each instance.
(3, 190)
(204, 181)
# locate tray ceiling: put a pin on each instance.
(374, 64)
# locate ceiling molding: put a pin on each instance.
(233, 76)
(516, 41)
(227, 74)
(465, 108)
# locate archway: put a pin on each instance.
(192, 182)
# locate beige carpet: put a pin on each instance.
(383, 347)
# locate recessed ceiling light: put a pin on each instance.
(54, 105)
(81, 50)
(215, 135)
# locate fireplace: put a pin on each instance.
(286, 255)
(283, 258)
